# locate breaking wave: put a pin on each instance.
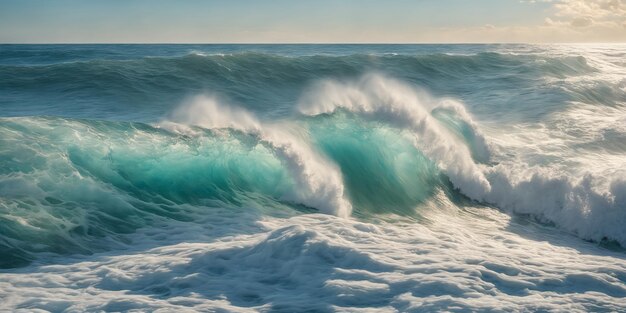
(368, 146)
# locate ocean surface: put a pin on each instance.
(313, 178)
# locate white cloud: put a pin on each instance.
(567, 21)
(582, 21)
(585, 13)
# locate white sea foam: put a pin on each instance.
(476, 259)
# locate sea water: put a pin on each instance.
(312, 178)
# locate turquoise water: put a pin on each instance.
(279, 156)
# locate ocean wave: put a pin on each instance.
(377, 97)
(319, 182)
(317, 177)
(372, 145)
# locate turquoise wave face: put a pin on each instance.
(65, 183)
(77, 186)
(383, 171)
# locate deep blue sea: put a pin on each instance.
(313, 178)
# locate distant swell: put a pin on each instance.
(258, 81)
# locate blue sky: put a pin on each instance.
(312, 21)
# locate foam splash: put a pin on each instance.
(576, 205)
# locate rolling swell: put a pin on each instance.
(266, 84)
(250, 66)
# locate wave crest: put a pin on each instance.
(319, 181)
(378, 97)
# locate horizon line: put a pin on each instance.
(310, 43)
